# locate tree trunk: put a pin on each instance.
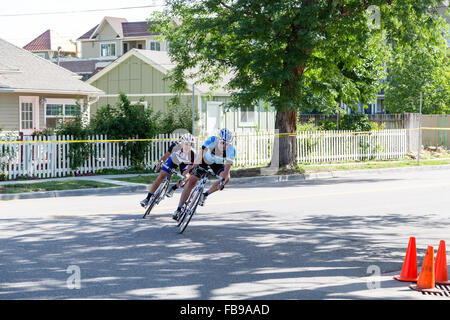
(285, 147)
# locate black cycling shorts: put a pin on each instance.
(217, 168)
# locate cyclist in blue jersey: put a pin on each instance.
(218, 154)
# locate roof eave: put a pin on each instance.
(49, 91)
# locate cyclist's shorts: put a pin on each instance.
(217, 168)
(173, 165)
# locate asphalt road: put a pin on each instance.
(340, 238)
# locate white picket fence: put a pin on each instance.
(46, 157)
(342, 145)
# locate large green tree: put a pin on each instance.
(292, 54)
(420, 67)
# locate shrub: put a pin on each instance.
(77, 152)
(178, 116)
(43, 133)
(127, 121)
(356, 122)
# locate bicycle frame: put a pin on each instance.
(162, 188)
(190, 206)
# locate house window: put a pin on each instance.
(60, 110)
(155, 46)
(107, 49)
(125, 48)
(140, 46)
(247, 116)
(27, 115)
(143, 104)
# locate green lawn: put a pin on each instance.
(52, 186)
(378, 165)
(147, 179)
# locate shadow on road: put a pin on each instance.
(237, 255)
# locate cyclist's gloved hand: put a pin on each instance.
(157, 167)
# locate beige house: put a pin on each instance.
(109, 40)
(113, 37)
(36, 93)
(51, 45)
(140, 75)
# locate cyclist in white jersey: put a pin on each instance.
(179, 154)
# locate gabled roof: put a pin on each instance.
(50, 40)
(84, 66)
(29, 73)
(136, 29)
(160, 60)
(88, 34)
(122, 27)
(114, 22)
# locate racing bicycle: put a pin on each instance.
(190, 207)
(162, 189)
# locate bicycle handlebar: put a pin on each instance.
(211, 174)
(171, 170)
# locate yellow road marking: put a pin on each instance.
(303, 196)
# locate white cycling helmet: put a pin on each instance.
(187, 138)
(226, 135)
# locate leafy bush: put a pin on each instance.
(356, 122)
(178, 116)
(43, 133)
(327, 125)
(77, 152)
(127, 121)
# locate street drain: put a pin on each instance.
(444, 291)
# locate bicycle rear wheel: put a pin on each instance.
(189, 212)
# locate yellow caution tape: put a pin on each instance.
(198, 137)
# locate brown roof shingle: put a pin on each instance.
(136, 29)
(87, 35)
(41, 43)
(127, 29)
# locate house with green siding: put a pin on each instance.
(36, 93)
(140, 74)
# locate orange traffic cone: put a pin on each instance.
(441, 265)
(409, 268)
(426, 280)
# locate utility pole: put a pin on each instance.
(59, 53)
(193, 107)
(419, 135)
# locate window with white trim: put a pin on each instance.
(60, 110)
(247, 116)
(27, 115)
(108, 49)
(155, 46)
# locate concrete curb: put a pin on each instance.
(135, 187)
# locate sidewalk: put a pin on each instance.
(125, 187)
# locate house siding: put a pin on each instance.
(264, 119)
(9, 108)
(9, 112)
(135, 77)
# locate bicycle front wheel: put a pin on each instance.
(190, 209)
(156, 198)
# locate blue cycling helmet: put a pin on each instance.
(226, 135)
